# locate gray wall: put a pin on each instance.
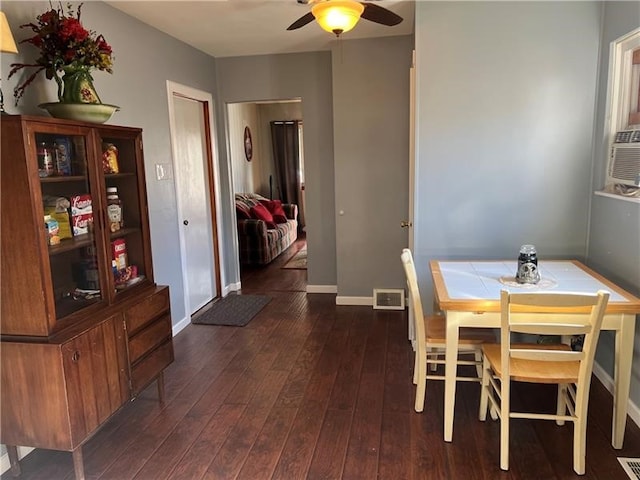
(239, 116)
(371, 141)
(306, 76)
(614, 236)
(505, 111)
(144, 60)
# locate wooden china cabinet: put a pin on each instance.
(84, 327)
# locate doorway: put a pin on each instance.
(196, 179)
(258, 173)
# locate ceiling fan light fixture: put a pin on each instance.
(337, 16)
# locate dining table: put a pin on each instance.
(468, 294)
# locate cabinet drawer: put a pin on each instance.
(149, 368)
(149, 338)
(147, 309)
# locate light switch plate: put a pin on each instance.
(163, 171)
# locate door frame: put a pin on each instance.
(213, 166)
(412, 179)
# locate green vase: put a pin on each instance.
(78, 99)
(77, 86)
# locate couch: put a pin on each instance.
(263, 237)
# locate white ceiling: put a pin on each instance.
(231, 28)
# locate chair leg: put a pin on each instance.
(416, 365)
(580, 427)
(420, 374)
(505, 405)
(579, 445)
(433, 365)
(484, 391)
(561, 408)
(478, 357)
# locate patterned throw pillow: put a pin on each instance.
(242, 211)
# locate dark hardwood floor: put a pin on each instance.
(311, 390)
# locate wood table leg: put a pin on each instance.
(622, 377)
(450, 373)
(78, 463)
(12, 452)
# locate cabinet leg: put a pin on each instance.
(160, 382)
(12, 451)
(78, 463)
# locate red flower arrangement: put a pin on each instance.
(65, 45)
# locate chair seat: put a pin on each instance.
(533, 371)
(436, 333)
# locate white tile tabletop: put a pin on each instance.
(484, 280)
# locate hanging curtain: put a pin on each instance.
(286, 157)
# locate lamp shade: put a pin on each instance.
(7, 43)
(337, 16)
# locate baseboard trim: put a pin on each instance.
(632, 409)
(182, 324)
(322, 289)
(343, 300)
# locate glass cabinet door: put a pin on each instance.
(69, 229)
(125, 209)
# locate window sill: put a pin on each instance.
(600, 193)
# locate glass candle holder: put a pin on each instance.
(528, 265)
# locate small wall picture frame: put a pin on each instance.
(248, 144)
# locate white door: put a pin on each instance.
(192, 171)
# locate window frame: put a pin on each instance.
(622, 79)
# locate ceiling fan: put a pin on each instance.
(340, 16)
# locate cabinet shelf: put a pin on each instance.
(69, 244)
(63, 179)
(110, 176)
(123, 232)
(69, 305)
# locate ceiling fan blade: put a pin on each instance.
(301, 22)
(378, 14)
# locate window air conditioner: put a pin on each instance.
(624, 161)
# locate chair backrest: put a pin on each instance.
(552, 314)
(416, 302)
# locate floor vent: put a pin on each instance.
(631, 466)
(388, 299)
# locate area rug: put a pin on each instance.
(232, 310)
(298, 261)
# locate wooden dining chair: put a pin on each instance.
(561, 314)
(430, 340)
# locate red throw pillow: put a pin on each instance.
(270, 203)
(276, 210)
(278, 214)
(260, 212)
